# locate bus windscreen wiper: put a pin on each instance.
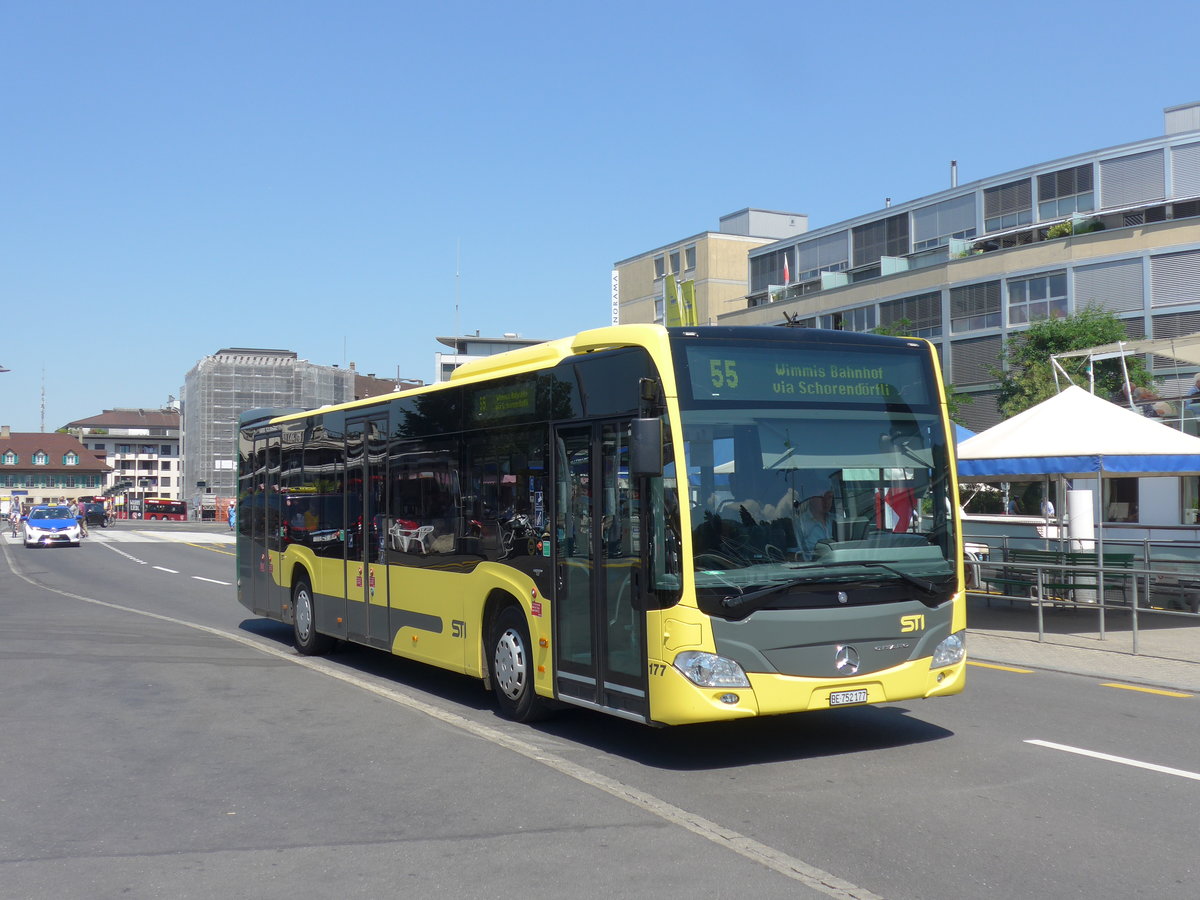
(739, 601)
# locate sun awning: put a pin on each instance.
(1185, 348)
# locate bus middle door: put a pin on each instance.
(600, 631)
(366, 530)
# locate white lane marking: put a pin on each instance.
(165, 569)
(212, 580)
(775, 860)
(140, 562)
(1107, 757)
(161, 537)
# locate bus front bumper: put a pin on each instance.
(677, 701)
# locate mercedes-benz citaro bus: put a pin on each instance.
(670, 525)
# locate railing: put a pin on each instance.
(1151, 579)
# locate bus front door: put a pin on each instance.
(258, 519)
(600, 629)
(366, 568)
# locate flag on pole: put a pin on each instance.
(672, 312)
(787, 277)
(687, 291)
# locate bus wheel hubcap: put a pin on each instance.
(303, 614)
(510, 664)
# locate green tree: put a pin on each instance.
(1028, 376)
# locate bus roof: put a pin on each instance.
(512, 362)
(550, 353)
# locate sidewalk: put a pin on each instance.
(1168, 645)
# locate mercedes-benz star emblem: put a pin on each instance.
(845, 660)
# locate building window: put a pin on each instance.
(164, 464)
(1120, 499)
(164, 482)
(9, 458)
(70, 459)
(660, 266)
(1040, 297)
(767, 270)
(675, 270)
(164, 450)
(825, 254)
(975, 306)
(123, 448)
(1065, 192)
(41, 458)
(886, 237)
(860, 319)
(689, 257)
(934, 226)
(919, 316)
(1008, 205)
(658, 311)
(148, 449)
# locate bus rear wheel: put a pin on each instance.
(512, 667)
(309, 642)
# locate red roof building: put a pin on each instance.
(40, 467)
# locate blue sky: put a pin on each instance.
(178, 178)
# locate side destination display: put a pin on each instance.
(767, 375)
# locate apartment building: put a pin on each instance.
(142, 447)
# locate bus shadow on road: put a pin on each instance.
(795, 736)
(439, 684)
(770, 739)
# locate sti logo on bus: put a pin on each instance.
(912, 623)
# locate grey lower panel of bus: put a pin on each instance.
(806, 642)
(621, 701)
(383, 620)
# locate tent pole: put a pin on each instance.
(1128, 386)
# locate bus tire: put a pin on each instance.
(511, 663)
(309, 641)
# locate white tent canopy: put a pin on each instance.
(1077, 434)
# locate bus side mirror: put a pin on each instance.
(645, 448)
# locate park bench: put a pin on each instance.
(1064, 573)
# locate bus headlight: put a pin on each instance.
(950, 651)
(710, 670)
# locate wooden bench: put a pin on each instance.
(1064, 573)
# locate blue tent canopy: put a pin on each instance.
(1078, 434)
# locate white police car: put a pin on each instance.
(48, 525)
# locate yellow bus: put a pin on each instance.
(670, 525)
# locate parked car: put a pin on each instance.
(46, 525)
(95, 514)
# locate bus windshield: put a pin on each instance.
(812, 496)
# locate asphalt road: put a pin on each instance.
(159, 742)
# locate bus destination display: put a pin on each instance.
(767, 375)
(506, 402)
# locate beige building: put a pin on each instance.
(142, 446)
(714, 261)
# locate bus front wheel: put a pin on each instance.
(309, 642)
(512, 667)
